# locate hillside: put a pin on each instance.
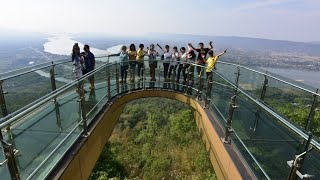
(155, 138)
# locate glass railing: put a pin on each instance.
(294, 101)
(20, 84)
(265, 136)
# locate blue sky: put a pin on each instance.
(296, 20)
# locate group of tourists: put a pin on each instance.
(83, 62)
(174, 62)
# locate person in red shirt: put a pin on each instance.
(202, 53)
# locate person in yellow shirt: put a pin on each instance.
(211, 62)
(140, 57)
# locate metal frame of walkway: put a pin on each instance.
(259, 141)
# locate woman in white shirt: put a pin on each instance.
(182, 63)
(77, 61)
(152, 53)
(166, 60)
(174, 62)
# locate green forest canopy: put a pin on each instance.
(155, 138)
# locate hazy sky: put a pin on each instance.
(273, 19)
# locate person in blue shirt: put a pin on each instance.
(90, 62)
(124, 64)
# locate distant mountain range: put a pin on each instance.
(310, 48)
(245, 43)
(14, 35)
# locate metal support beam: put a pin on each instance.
(208, 91)
(228, 129)
(312, 112)
(201, 84)
(58, 117)
(52, 78)
(108, 82)
(143, 78)
(117, 78)
(262, 96)
(3, 101)
(11, 160)
(82, 110)
(232, 106)
(159, 78)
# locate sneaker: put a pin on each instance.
(121, 81)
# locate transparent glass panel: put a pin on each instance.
(221, 93)
(39, 133)
(4, 171)
(315, 123)
(270, 142)
(227, 71)
(25, 89)
(46, 168)
(251, 82)
(63, 74)
(311, 164)
(288, 101)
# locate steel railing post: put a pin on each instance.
(108, 82)
(297, 162)
(159, 73)
(209, 89)
(11, 160)
(262, 96)
(83, 113)
(228, 127)
(232, 106)
(264, 88)
(237, 79)
(201, 83)
(52, 78)
(117, 78)
(3, 101)
(312, 112)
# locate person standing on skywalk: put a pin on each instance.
(202, 53)
(90, 62)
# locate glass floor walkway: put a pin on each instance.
(272, 119)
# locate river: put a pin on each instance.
(311, 78)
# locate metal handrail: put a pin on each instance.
(54, 150)
(38, 100)
(63, 89)
(264, 107)
(31, 70)
(56, 93)
(219, 62)
(36, 68)
(268, 75)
